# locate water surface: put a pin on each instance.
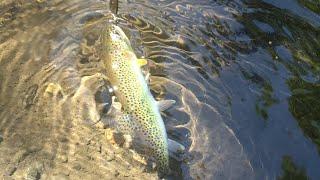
(245, 75)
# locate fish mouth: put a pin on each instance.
(115, 33)
(110, 32)
(113, 30)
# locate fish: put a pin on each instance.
(140, 112)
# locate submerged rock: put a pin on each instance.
(34, 171)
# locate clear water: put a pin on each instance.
(245, 75)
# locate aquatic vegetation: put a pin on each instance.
(305, 106)
(306, 62)
(265, 100)
(313, 5)
(266, 97)
(287, 30)
(302, 39)
(292, 171)
(262, 111)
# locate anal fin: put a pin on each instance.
(176, 149)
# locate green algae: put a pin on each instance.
(267, 95)
(291, 171)
(306, 50)
(305, 107)
(303, 57)
(260, 110)
(288, 30)
(266, 99)
(313, 5)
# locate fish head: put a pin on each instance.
(114, 36)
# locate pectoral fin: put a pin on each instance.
(165, 104)
(142, 62)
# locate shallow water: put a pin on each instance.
(245, 75)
